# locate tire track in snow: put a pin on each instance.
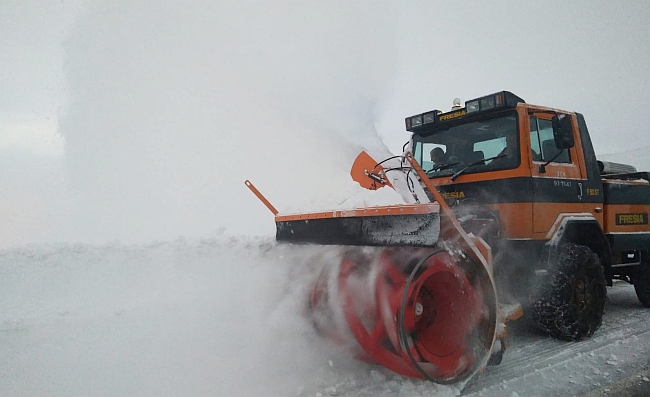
(548, 351)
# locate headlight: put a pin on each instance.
(472, 106)
(416, 121)
(424, 120)
(493, 101)
(487, 103)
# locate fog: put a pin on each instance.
(174, 107)
(166, 108)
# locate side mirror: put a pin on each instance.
(563, 131)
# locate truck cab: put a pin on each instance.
(531, 178)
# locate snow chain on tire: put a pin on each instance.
(642, 284)
(571, 303)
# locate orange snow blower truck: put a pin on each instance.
(506, 202)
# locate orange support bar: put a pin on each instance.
(260, 196)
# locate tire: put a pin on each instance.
(642, 284)
(571, 302)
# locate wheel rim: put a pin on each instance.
(583, 296)
(580, 294)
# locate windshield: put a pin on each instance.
(448, 150)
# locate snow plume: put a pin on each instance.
(215, 317)
(205, 318)
(173, 105)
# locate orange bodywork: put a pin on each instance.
(368, 173)
(532, 219)
(614, 210)
(402, 209)
(545, 215)
(261, 197)
(627, 211)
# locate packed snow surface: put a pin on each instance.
(225, 317)
(204, 318)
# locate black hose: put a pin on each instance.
(409, 181)
(397, 169)
(385, 160)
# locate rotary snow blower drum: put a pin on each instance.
(418, 312)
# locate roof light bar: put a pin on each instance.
(500, 100)
(420, 120)
(493, 101)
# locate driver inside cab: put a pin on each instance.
(437, 156)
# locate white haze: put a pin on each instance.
(211, 318)
(173, 107)
(168, 107)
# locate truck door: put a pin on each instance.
(561, 186)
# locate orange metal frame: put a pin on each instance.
(398, 209)
(260, 196)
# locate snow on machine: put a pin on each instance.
(505, 202)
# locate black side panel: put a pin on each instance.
(491, 191)
(624, 193)
(420, 230)
(629, 241)
(524, 189)
(593, 172)
(559, 190)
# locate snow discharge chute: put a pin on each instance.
(405, 286)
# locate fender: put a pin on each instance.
(583, 229)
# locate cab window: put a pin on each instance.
(542, 142)
(487, 144)
(426, 150)
(491, 147)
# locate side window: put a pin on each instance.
(543, 144)
(418, 153)
(534, 140)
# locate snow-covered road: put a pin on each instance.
(542, 366)
(224, 317)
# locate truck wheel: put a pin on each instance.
(642, 284)
(571, 303)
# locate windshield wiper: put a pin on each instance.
(477, 162)
(442, 167)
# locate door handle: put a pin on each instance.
(580, 195)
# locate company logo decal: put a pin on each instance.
(453, 195)
(453, 115)
(632, 219)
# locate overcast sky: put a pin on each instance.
(140, 120)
